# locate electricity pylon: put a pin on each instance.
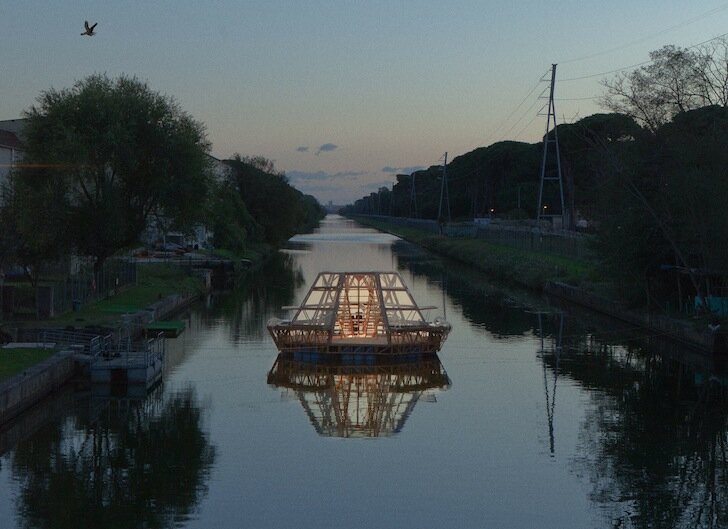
(444, 192)
(551, 140)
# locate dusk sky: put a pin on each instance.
(344, 95)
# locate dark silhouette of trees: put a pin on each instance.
(650, 179)
(676, 80)
(123, 153)
(138, 464)
(33, 217)
(662, 207)
(279, 209)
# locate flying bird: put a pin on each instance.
(89, 29)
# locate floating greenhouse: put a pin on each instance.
(358, 313)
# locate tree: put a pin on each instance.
(123, 152)
(33, 219)
(676, 80)
(663, 204)
(582, 159)
(276, 206)
(694, 165)
(231, 224)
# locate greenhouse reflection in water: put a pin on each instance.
(363, 399)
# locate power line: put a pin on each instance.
(592, 98)
(637, 64)
(648, 37)
(505, 120)
(523, 116)
(526, 126)
(604, 73)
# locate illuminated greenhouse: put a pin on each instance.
(354, 313)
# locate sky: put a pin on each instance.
(343, 95)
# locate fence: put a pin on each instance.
(566, 244)
(526, 237)
(88, 286)
(52, 298)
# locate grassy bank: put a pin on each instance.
(154, 282)
(16, 360)
(501, 262)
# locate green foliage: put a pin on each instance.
(584, 167)
(484, 179)
(34, 218)
(231, 223)
(694, 168)
(122, 152)
(653, 184)
(508, 264)
(279, 209)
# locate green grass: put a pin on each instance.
(255, 252)
(531, 269)
(14, 361)
(154, 282)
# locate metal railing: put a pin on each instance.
(93, 344)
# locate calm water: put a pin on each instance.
(535, 416)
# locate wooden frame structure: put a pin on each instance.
(356, 313)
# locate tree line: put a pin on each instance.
(107, 156)
(650, 177)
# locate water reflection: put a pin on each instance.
(652, 437)
(126, 463)
(359, 400)
(258, 295)
(652, 443)
(473, 292)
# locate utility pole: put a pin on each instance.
(413, 198)
(444, 191)
(548, 141)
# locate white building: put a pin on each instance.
(11, 147)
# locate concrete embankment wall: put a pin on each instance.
(21, 391)
(32, 420)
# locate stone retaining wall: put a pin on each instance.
(21, 391)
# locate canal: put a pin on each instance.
(536, 415)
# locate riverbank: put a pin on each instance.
(161, 291)
(566, 278)
(501, 262)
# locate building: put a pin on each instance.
(157, 231)
(11, 146)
